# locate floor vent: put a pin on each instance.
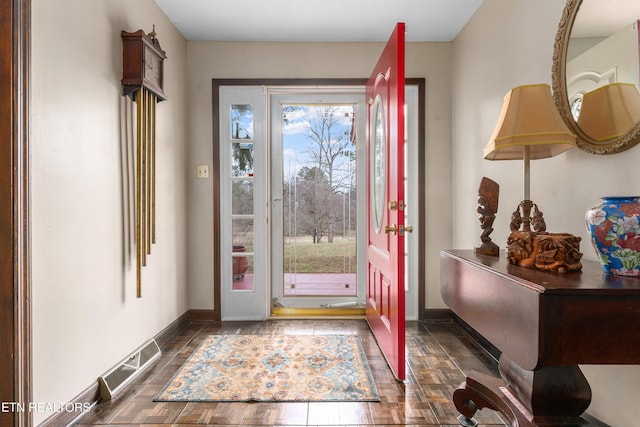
(124, 372)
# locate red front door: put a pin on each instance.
(385, 175)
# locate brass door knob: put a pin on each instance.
(405, 228)
(390, 229)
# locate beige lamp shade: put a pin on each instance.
(529, 118)
(609, 111)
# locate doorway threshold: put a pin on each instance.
(321, 312)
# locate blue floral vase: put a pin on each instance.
(614, 226)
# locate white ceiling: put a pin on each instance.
(318, 20)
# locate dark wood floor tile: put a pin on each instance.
(105, 411)
(149, 413)
(339, 413)
(101, 414)
(438, 355)
(177, 343)
(414, 327)
(371, 348)
(212, 413)
(400, 393)
(425, 345)
(443, 328)
(335, 425)
(284, 413)
(211, 328)
(380, 370)
(432, 362)
(189, 347)
(127, 425)
(436, 370)
(485, 365)
(456, 342)
(206, 425)
(402, 413)
(339, 328)
(141, 409)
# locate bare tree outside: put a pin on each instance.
(327, 174)
(319, 192)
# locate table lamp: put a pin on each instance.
(609, 111)
(529, 127)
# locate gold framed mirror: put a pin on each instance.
(585, 66)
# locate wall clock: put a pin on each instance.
(143, 81)
(142, 64)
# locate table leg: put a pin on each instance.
(481, 391)
(549, 396)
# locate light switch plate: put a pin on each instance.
(202, 171)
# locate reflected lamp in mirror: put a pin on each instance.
(610, 111)
(596, 44)
(529, 127)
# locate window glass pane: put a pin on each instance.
(242, 197)
(242, 121)
(242, 230)
(242, 272)
(242, 159)
(319, 200)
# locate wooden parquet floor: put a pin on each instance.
(438, 356)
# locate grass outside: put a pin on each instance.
(301, 255)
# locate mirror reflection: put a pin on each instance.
(601, 73)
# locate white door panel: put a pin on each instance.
(243, 194)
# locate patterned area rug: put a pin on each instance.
(274, 368)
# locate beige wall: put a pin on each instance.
(506, 44)
(208, 60)
(86, 316)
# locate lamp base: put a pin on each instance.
(523, 217)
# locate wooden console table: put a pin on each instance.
(545, 324)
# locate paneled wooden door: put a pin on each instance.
(386, 202)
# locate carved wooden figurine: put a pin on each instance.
(559, 252)
(487, 208)
(528, 221)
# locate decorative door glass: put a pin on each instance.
(242, 197)
(378, 164)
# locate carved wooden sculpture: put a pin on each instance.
(487, 208)
(558, 252)
(529, 245)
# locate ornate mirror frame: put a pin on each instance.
(560, 95)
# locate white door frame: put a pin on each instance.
(418, 174)
(244, 304)
(412, 165)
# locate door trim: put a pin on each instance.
(15, 295)
(215, 169)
